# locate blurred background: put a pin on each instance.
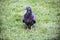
(47, 14)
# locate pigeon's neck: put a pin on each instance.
(29, 11)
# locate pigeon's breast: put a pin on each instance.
(28, 19)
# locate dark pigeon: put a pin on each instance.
(29, 18)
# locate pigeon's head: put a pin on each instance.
(29, 11)
(28, 8)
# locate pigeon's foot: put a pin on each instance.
(30, 28)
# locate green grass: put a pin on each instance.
(47, 16)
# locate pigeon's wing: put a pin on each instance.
(24, 17)
(34, 17)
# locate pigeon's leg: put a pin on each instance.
(31, 24)
(29, 27)
(26, 25)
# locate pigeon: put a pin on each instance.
(29, 18)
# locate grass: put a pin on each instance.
(47, 16)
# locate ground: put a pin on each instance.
(47, 25)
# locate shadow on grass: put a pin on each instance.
(25, 26)
(1, 38)
(4, 39)
(1, 27)
(57, 38)
(0, 24)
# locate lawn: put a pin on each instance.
(47, 25)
